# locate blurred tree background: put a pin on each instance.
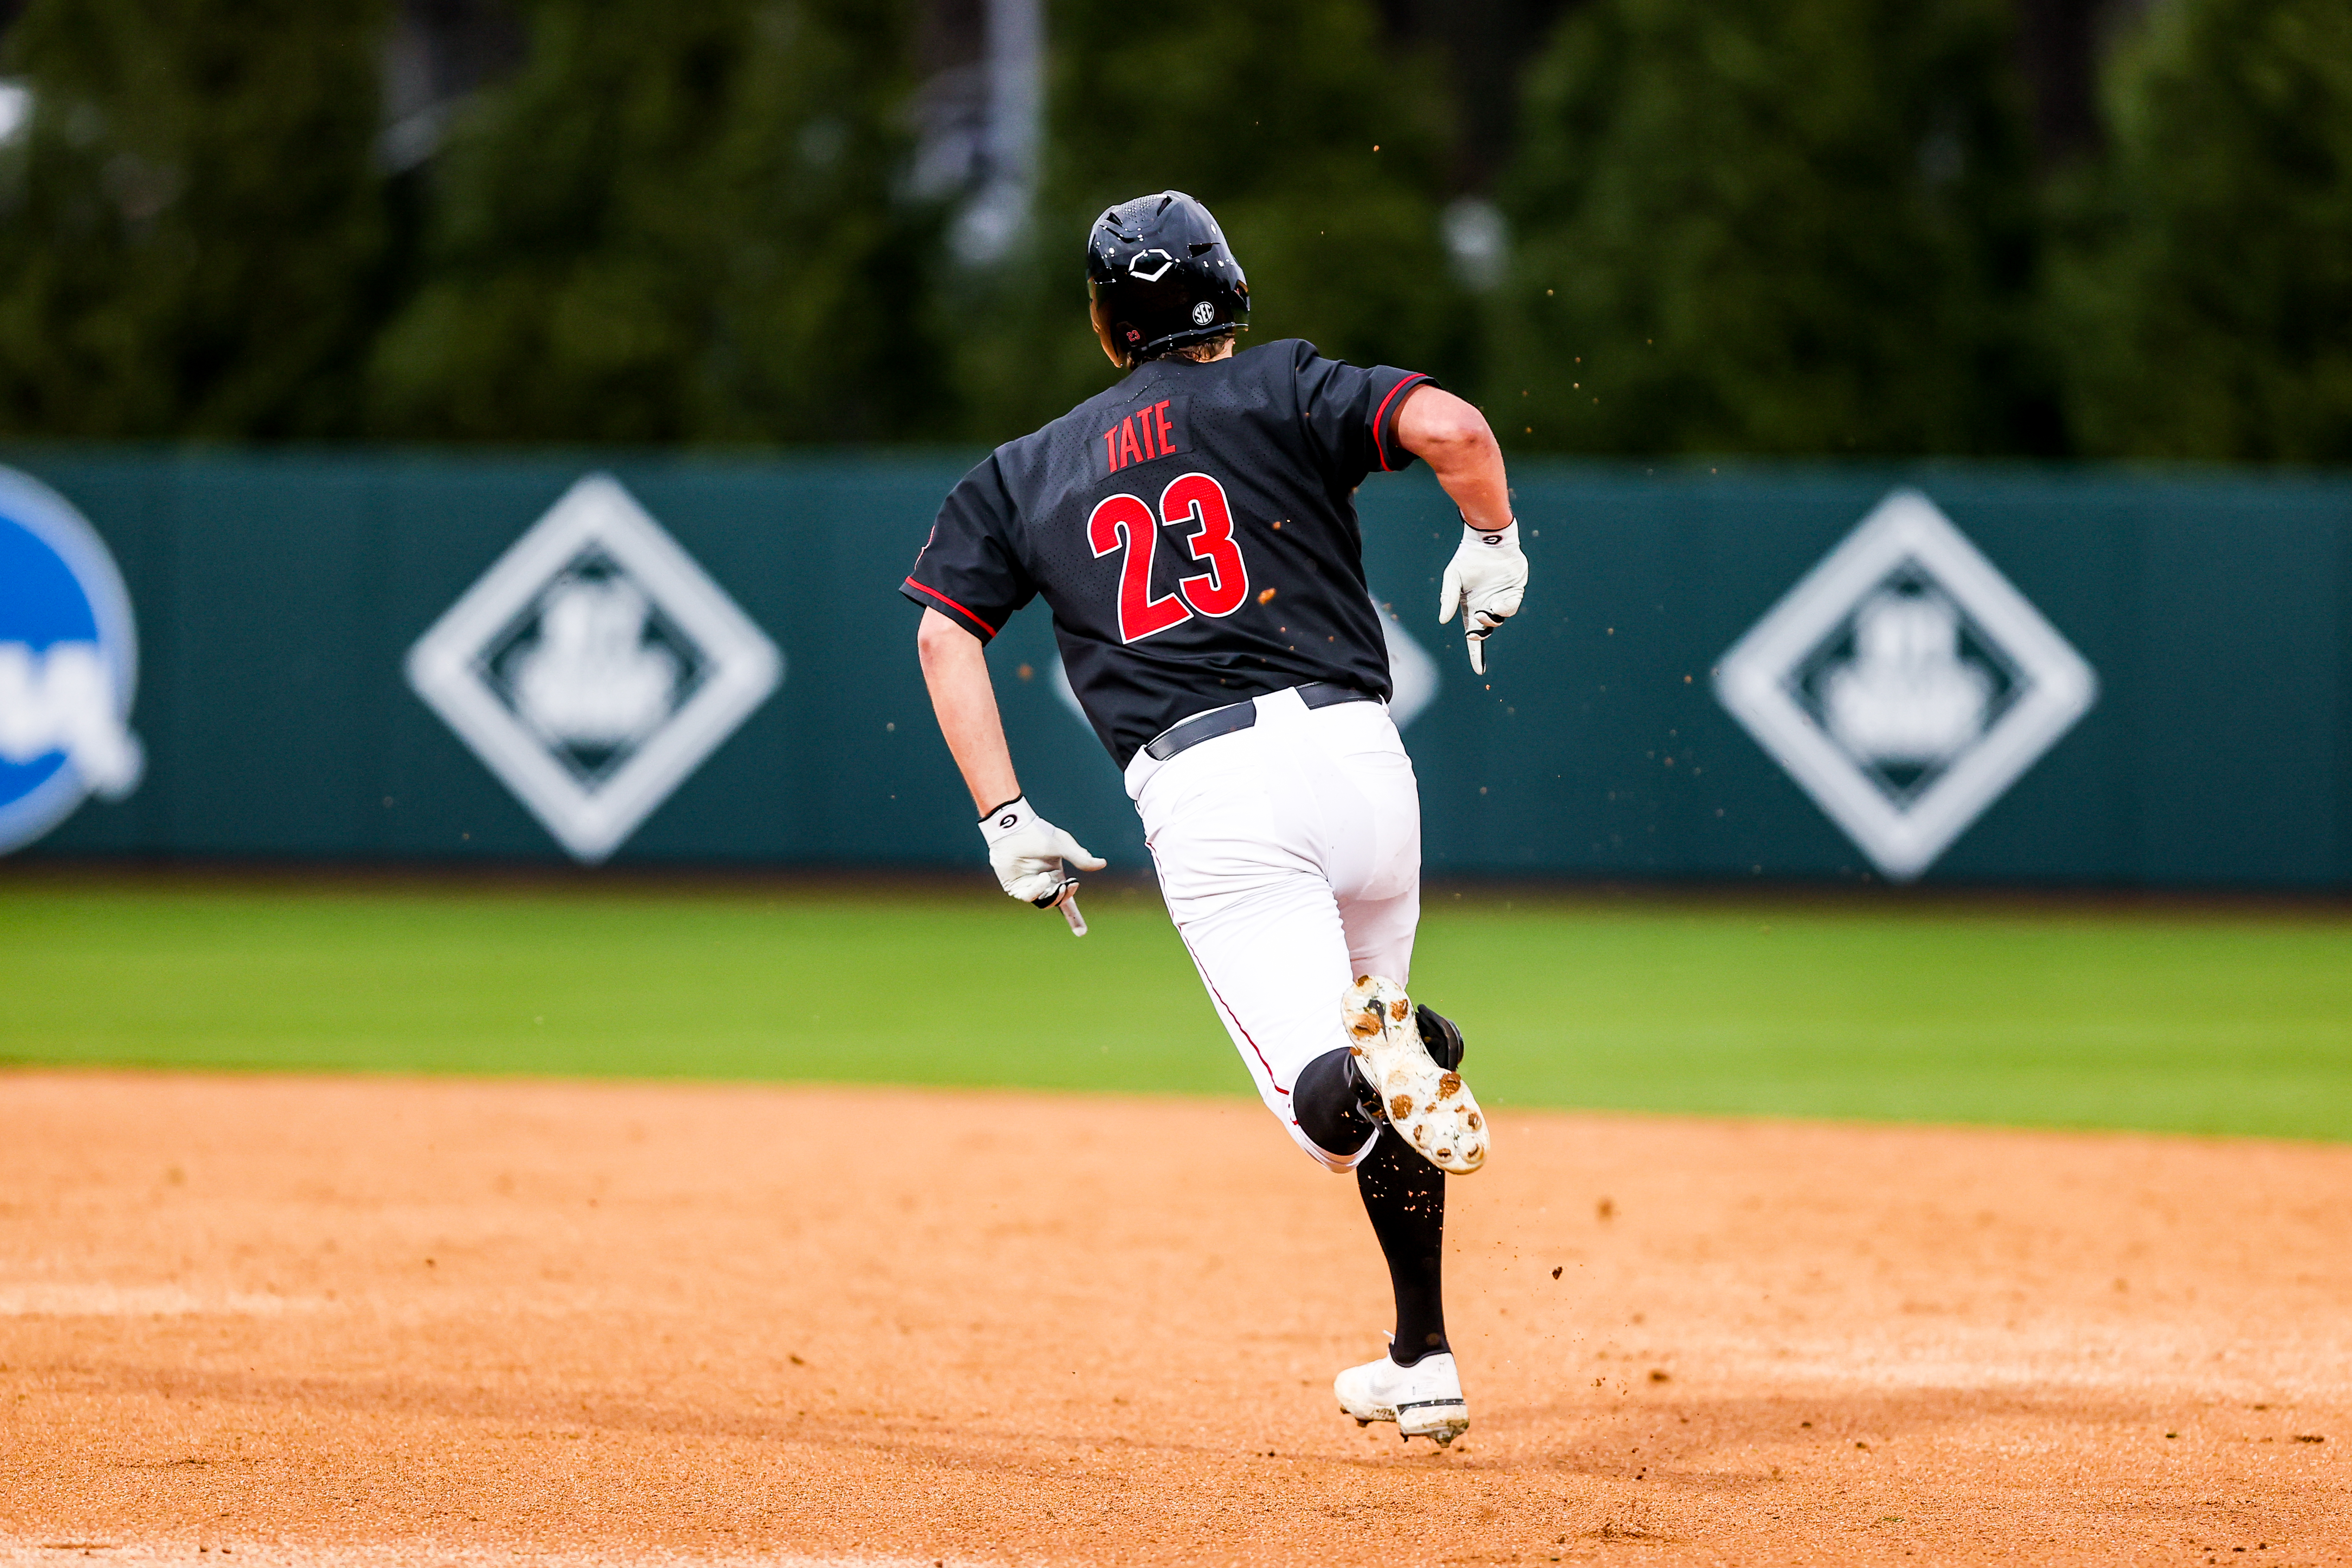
(193, 240)
(2202, 274)
(673, 223)
(2034, 228)
(1778, 226)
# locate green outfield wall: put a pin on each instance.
(2172, 707)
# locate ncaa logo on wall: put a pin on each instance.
(594, 666)
(1904, 684)
(68, 664)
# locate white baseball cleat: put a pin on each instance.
(1431, 1108)
(1424, 1399)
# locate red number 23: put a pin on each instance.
(1126, 520)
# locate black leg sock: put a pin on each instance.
(1404, 1195)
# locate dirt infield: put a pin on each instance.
(310, 1321)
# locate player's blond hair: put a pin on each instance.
(1200, 353)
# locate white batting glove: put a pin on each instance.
(1486, 581)
(1027, 852)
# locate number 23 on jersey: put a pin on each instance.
(1124, 521)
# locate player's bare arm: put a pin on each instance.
(1488, 577)
(1026, 852)
(1454, 439)
(955, 667)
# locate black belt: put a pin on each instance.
(1242, 715)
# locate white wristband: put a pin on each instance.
(1503, 537)
(1008, 819)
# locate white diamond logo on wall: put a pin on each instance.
(1904, 684)
(594, 666)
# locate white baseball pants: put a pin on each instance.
(1289, 854)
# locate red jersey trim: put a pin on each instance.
(1379, 419)
(951, 604)
(1240, 1026)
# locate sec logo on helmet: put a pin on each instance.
(68, 663)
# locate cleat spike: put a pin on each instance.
(1424, 1099)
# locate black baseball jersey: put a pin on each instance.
(1193, 528)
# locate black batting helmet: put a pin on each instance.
(1161, 275)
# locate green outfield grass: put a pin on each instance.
(2208, 1021)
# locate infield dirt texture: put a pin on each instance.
(311, 1319)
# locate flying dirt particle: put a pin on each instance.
(1025, 673)
(2311, 1437)
(1555, 1273)
(1266, 597)
(1606, 1210)
(2172, 1433)
(1660, 1375)
(796, 1360)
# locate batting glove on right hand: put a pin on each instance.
(1027, 852)
(1486, 581)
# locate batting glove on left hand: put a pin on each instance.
(1027, 852)
(1486, 581)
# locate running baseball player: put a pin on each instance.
(1193, 528)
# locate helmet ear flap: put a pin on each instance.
(1107, 332)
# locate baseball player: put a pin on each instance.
(1193, 528)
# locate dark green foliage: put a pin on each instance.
(2206, 291)
(676, 224)
(1774, 227)
(192, 233)
(1270, 114)
(1777, 227)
